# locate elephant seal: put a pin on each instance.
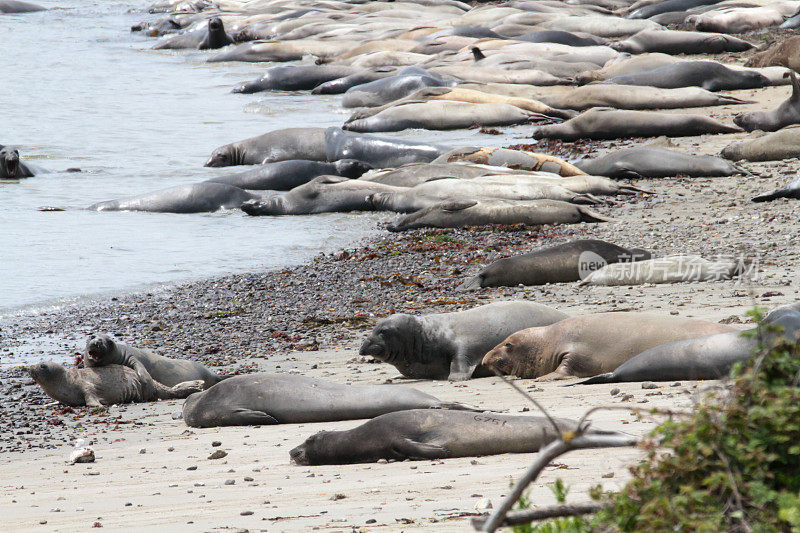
(281, 51)
(584, 346)
(16, 6)
(278, 145)
(294, 78)
(709, 75)
(560, 37)
(451, 345)
(210, 36)
(667, 6)
(286, 175)
(108, 385)
(323, 194)
(681, 42)
(792, 190)
(441, 115)
(10, 165)
(710, 357)
(102, 351)
(743, 19)
(203, 197)
(460, 213)
(216, 36)
(378, 152)
(341, 85)
(425, 434)
(785, 53)
(601, 25)
(671, 269)
(261, 399)
(606, 123)
(415, 173)
(782, 144)
(383, 91)
(786, 114)
(638, 97)
(514, 159)
(655, 162)
(626, 64)
(556, 264)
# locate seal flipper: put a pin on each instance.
(248, 417)
(471, 284)
(406, 448)
(460, 368)
(608, 377)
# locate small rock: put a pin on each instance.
(170, 449)
(143, 451)
(216, 443)
(42, 522)
(370, 521)
(483, 504)
(676, 384)
(248, 478)
(193, 467)
(609, 475)
(218, 454)
(338, 496)
(614, 391)
(230, 481)
(82, 455)
(246, 513)
(649, 385)
(128, 504)
(382, 461)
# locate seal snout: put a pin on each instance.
(370, 347)
(298, 455)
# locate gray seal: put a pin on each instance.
(710, 357)
(108, 385)
(102, 351)
(555, 264)
(262, 399)
(10, 165)
(792, 190)
(425, 434)
(786, 114)
(286, 175)
(605, 123)
(294, 78)
(379, 152)
(709, 75)
(460, 213)
(451, 345)
(655, 162)
(203, 197)
(278, 145)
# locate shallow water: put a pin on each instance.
(81, 91)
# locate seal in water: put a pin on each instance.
(451, 345)
(555, 264)
(425, 434)
(286, 175)
(203, 197)
(294, 78)
(710, 357)
(261, 399)
(278, 145)
(786, 114)
(10, 165)
(655, 162)
(17, 6)
(102, 351)
(460, 213)
(108, 385)
(216, 36)
(588, 345)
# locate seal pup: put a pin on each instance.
(710, 357)
(101, 350)
(261, 399)
(460, 213)
(588, 345)
(555, 264)
(108, 385)
(671, 269)
(451, 345)
(792, 190)
(606, 123)
(786, 114)
(424, 434)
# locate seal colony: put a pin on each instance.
(490, 66)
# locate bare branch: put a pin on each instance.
(529, 515)
(546, 455)
(530, 398)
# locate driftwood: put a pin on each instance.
(529, 515)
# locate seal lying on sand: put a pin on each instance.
(709, 75)
(451, 345)
(10, 165)
(786, 114)
(460, 213)
(605, 123)
(792, 190)
(654, 162)
(785, 53)
(425, 434)
(782, 144)
(94, 387)
(286, 175)
(588, 345)
(681, 42)
(260, 399)
(377, 151)
(516, 159)
(294, 78)
(555, 264)
(102, 351)
(203, 197)
(709, 357)
(672, 269)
